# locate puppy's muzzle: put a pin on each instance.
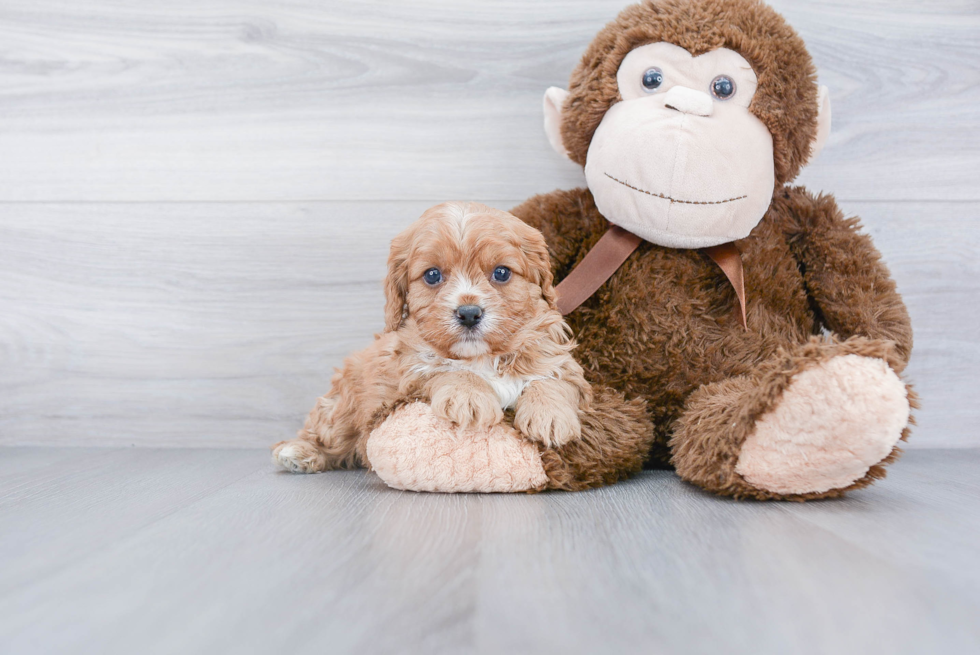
(469, 315)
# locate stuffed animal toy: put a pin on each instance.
(758, 324)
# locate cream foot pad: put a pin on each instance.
(417, 451)
(833, 422)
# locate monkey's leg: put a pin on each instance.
(815, 421)
(416, 450)
(615, 441)
(326, 442)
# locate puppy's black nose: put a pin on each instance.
(469, 315)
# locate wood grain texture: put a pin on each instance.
(234, 557)
(219, 324)
(316, 130)
(301, 100)
(86, 505)
(933, 251)
(133, 324)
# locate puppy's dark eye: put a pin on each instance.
(501, 274)
(723, 87)
(432, 277)
(652, 79)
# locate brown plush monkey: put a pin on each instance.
(691, 117)
(758, 324)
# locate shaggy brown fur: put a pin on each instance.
(719, 416)
(662, 328)
(786, 99)
(615, 440)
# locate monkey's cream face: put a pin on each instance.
(680, 160)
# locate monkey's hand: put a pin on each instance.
(843, 271)
(464, 399)
(547, 412)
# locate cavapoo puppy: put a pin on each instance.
(471, 327)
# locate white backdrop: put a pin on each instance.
(196, 197)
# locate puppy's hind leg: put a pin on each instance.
(323, 444)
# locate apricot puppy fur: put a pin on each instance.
(471, 326)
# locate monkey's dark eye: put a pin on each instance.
(501, 274)
(432, 277)
(723, 87)
(652, 79)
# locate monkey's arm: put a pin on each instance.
(569, 222)
(850, 287)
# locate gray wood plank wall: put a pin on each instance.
(196, 196)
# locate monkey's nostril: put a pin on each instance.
(688, 101)
(469, 315)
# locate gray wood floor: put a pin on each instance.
(212, 551)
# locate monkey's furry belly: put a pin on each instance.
(667, 322)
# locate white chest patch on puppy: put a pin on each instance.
(508, 388)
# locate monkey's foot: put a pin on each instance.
(833, 423)
(417, 451)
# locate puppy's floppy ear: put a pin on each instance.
(396, 282)
(539, 262)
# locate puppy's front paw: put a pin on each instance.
(467, 406)
(553, 425)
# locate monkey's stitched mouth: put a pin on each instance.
(683, 202)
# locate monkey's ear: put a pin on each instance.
(823, 123)
(554, 100)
